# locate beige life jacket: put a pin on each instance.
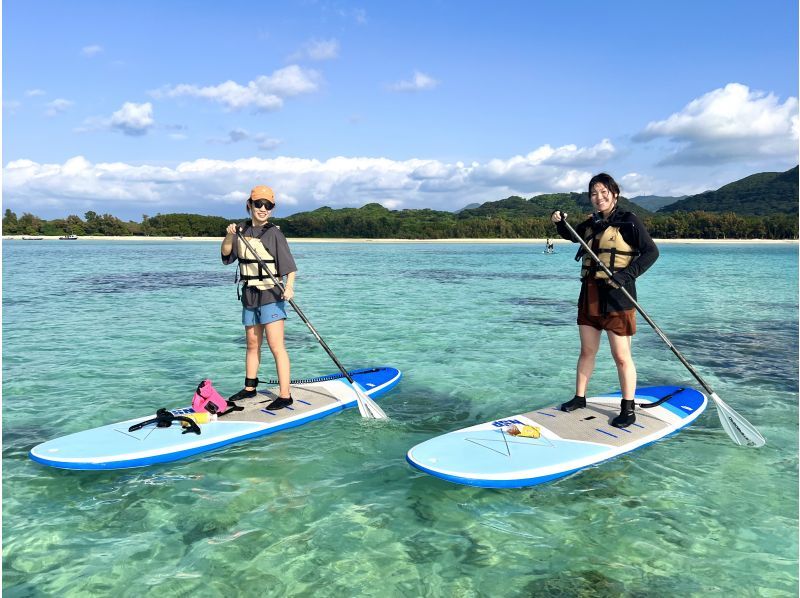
(612, 250)
(250, 271)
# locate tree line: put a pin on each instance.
(376, 222)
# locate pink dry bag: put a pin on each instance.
(208, 399)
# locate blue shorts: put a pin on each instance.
(265, 314)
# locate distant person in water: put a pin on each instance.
(263, 303)
(549, 246)
(623, 244)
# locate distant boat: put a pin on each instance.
(179, 237)
(31, 238)
(68, 238)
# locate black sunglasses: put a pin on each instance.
(262, 203)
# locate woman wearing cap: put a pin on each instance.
(622, 242)
(263, 303)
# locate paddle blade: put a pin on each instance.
(741, 431)
(367, 407)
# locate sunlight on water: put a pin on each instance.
(332, 509)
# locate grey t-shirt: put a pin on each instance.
(276, 244)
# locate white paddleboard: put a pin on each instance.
(116, 447)
(487, 455)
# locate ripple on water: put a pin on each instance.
(755, 356)
(332, 508)
(138, 282)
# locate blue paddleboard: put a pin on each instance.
(115, 447)
(487, 455)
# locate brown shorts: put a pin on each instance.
(621, 323)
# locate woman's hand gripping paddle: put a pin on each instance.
(366, 407)
(738, 428)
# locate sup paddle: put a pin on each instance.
(738, 428)
(366, 406)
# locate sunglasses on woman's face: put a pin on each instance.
(262, 203)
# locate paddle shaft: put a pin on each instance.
(638, 307)
(299, 311)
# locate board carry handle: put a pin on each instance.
(737, 427)
(366, 406)
(662, 400)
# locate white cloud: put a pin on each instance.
(11, 106)
(31, 93)
(635, 183)
(213, 186)
(733, 123)
(233, 136)
(546, 167)
(265, 142)
(265, 93)
(58, 106)
(90, 51)
(132, 119)
(318, 49)
(419, 82)
(572, 155)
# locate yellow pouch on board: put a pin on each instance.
(525, 431)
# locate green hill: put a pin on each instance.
(759, 194)
(512, 217)
(371, 221)
(655, 202)
(541, 206)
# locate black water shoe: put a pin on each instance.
(574, 403)
(280, 403)
(626, 415)
(243, 394)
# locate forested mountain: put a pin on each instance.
(518, 218)
(756, 195)
(655, 202)
(541, 206)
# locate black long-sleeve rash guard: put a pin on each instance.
(635, 234)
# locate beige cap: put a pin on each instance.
(262, 192)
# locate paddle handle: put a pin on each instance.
(297, 309)
(638, 307)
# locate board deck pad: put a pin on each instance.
(305, 399)
(487, 455)
(114, 446)
(593, 424)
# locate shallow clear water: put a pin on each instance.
(96, 332)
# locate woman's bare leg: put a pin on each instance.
(278, 348)
(621, 352)
(254, 335)
(590, 343)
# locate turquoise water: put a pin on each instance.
(96, 332)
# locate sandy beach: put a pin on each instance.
(431, 241)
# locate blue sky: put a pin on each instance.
(135, 108)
